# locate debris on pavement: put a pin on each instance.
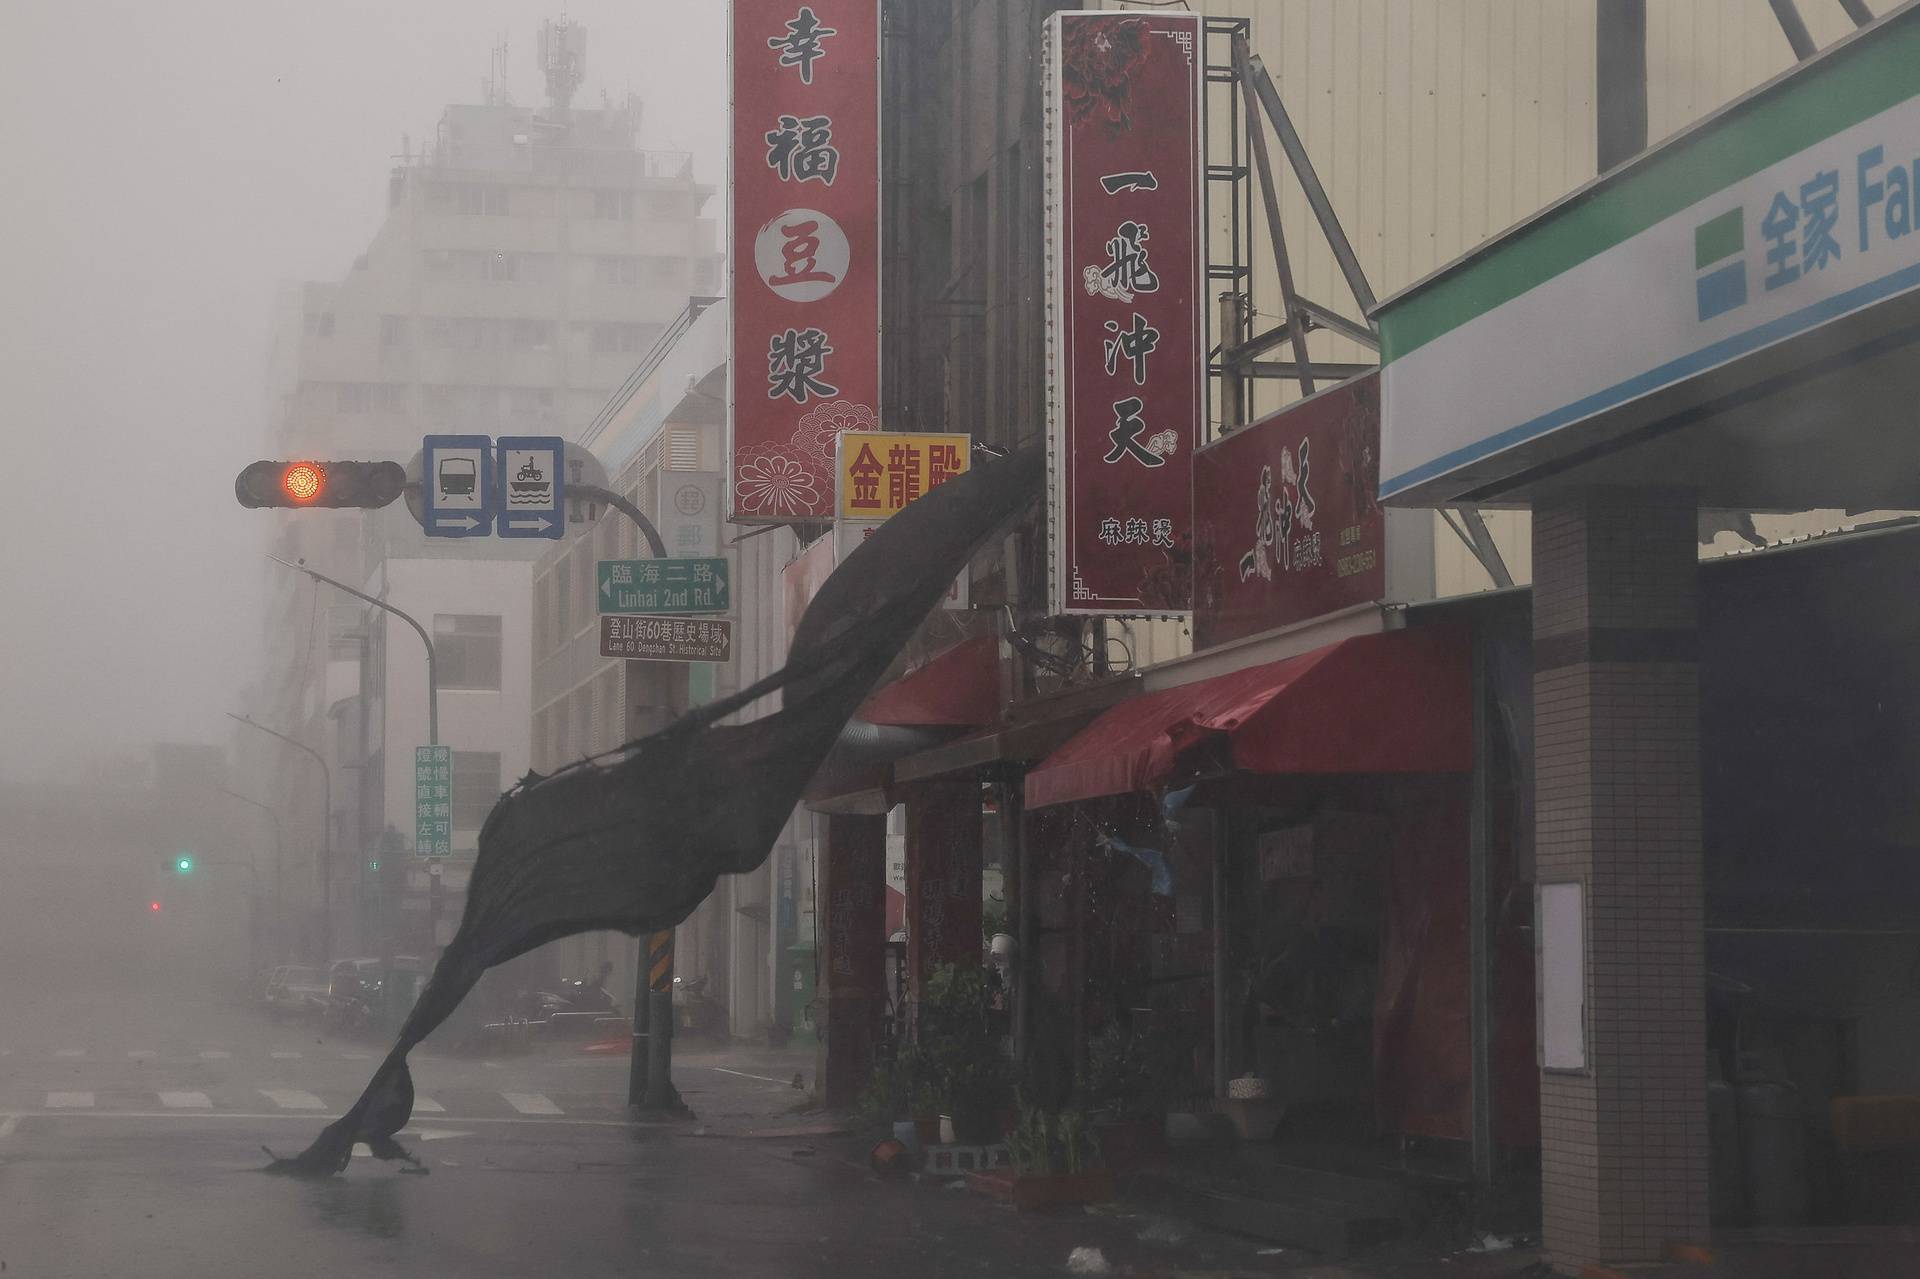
(1088, 1261)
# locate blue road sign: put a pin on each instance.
(457, 485)
(530, 486)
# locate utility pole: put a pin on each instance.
(326, 828)
(649, 1067)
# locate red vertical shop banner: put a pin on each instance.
(1126, 340)
(803, 250)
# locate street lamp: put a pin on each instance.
(326, 830)
(279, 845)
(433, 680)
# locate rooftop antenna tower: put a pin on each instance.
(563, 59)
(494, 91)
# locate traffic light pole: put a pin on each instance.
(326, 835)
(279, 846)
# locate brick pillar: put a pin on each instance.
(943, 878)
(1624, 1145)
(852, 929)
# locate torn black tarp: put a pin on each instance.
(635, 845)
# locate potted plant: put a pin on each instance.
(1053, 1162)
(960, 1056)
(1131, 1080)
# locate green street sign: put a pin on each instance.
(664, 586)
(433, 801)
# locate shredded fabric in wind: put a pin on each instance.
(636, 844)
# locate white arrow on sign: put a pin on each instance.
(542, 523)
(606, 587)
(465, 521)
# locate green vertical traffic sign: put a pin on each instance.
(433, 801)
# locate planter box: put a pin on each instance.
(1125, 1144)
(1027, 1192)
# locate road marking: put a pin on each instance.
(8, 1124)
(186, 1101)
(744, 1075)
(358, 1056)
(531, 1103)
(141, 1054)
(69, 1101)
(308, 1117)
(6, 1052)
(215, 1054)
(293, 1099)
(285, 1056)
(427, 1105)
(69, 1052)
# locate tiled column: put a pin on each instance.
(852, 928)
(1624, 1145)
(943, 878)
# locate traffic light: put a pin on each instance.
(184, 863)
(153, 907)
(305, 483)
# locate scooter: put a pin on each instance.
(695, 1012)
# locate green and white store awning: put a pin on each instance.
(1735, 310)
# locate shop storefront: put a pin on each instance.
(1726, 321)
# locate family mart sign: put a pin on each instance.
(1789, 210)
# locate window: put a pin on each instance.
(480, 198)
(500, 268)
(613, 206)
(615, 339)
(466, 650)
(621, 272)
(353, 397)
(476, 785)
(389, 397)
(438, 263)
(319, 324)
(667, 204)
(393, 330)
(532, 335)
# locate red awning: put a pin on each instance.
(958, 689)
(1399, 702)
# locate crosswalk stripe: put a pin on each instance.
(292, 1099)
(427, 1105)
(69, 1052)
(215, 1054)
(531, 1103)
(358, 1056)
(141, 1054)
(286, 1056)
(69, 1101)
(186, 1101)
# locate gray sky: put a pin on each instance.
(169, 162)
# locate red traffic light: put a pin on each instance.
(304, 481)
(153, 906)
(368, 485)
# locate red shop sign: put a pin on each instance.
(803, 250)
(1289, 519)
(1126, 355)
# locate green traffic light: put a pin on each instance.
(183, 864)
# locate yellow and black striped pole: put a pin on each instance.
(660, 1092)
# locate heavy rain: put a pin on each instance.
(952, 637)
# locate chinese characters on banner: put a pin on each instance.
(804, 249)
(1126, 359)
(1288, 525)
(880, 473)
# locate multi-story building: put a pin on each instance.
(528, 256)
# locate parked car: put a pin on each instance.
(296, 990)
